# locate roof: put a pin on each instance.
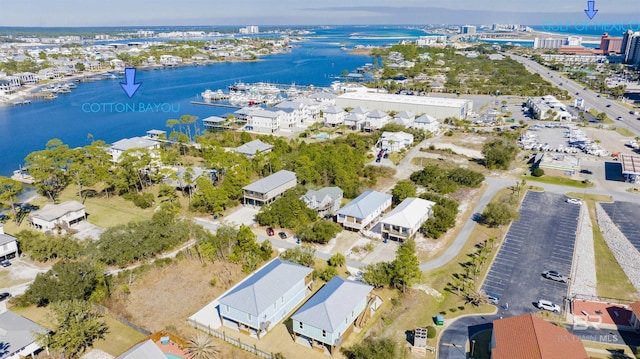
(364, 204)
(334, 302)
(180, 173)
(409, 213)
(213, 120)
(260, 112)
(6, 239)
(333, 109)
(407, 99)
(323, 95)
(359, 110)
(271, 182)
(134, 142)
(635, 308)
(156, 132)
(290, 105)
(396, 136)
(377, 114)
(405, 115)
(250, 148)
(51, 212)
(529, 337)
(16, 332)
(145, 350)
(261, 289)
(333, 192)
(426, 119)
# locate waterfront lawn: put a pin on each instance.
(117, 341)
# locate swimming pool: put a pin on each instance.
(322, 136)
(172, 356)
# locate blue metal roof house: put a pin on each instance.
(264, 298)
(364, 210)
(332, 313)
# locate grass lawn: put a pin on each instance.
(561, 181)
(612, 281)
(625, 132)
(117, 341)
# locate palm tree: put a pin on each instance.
(202, 346)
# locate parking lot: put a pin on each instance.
(625, 216)
(542, 239)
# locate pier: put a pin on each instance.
(41, 95)
(215, 104)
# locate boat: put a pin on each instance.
(71, 85)
(239, 86)
(64, 89)
(214, 95)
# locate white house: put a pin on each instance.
(142, 143)
(326, 200)
(8, 245)
(395, 141)
(405, 220)
(376, 119)
(427, 123)
(57, 216)
(324, 98)
(333, 116)
(356, 118)
(261, 120)
(364, 211)
(250, 149)
(404, 118)
(301, 111)
(9, 84)
(17, 335)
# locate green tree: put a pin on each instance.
(303, 255)
(373, 348)
(321, 232)
(77, 327)
(403, 190)
(499, 153)
(8, 191)
(378, 274)
(406, 267)
(48, 168)
(337, 260)
(64, 281)
(202, 346)
(498, 214)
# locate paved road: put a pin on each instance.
(591, 97)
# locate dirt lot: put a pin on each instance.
(163, 298)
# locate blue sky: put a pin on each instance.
(304, 12)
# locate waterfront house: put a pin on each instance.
(300, 112)
(17, 335)
(268, 189)
(8, 245)
(324, 98)
(376, 119)
(254, 147)
(404, 118)
(214, 123)
(131, 144)
(529, 337)
(185, 178)
(395, 141)
(57, 216)
(264, 298)
(426, 123)
(264, 121)
(635, 316)
(364, 211)
(405, 220)
(354, 122)
(325, 201)
(27, 78)
(9, 84)
(333, 116)
(116, 64)
(157, 134)
(326, 319)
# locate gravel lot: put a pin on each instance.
(624, 252)
(583, 281)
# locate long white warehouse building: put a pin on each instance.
(437, 107)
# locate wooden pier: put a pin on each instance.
(41, 95)
(215, 104)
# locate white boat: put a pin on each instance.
(214, 95)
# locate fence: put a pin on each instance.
(250, 348)
(122, 320)
(593, 298)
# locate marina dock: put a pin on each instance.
(215, 104)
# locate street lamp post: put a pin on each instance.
(473, 345)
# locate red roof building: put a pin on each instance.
(529, 337)
(635, 315)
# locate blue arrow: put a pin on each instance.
(590, 9)
(130, 86)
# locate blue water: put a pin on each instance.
(24, 129)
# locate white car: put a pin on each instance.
(574, 201)
(547, 305)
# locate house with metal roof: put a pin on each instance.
(326, 319)
(268, 189)
(427, 123)
(265, 121)
(405, 220)
(8, 245)
(266, 297)
(325, 200)
(404, 118)
(395, 141)
(141, 143)
(364, 211)
(529, 337)
(57, 216)
(17, 334)
(376, 119)
(333, 116)
(250, 149)
(144, 350)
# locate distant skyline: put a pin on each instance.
(48, 13)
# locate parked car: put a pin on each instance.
(554, 275)
(4, 296)
(282, 235)
(270, 232)
(547, 305)
(619, 118)
(5, 263)
(574, 201)
(492, 299)
(586, 171)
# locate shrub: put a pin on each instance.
(538, 172)
(328, 273)
(143, 201)
(431, 332)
